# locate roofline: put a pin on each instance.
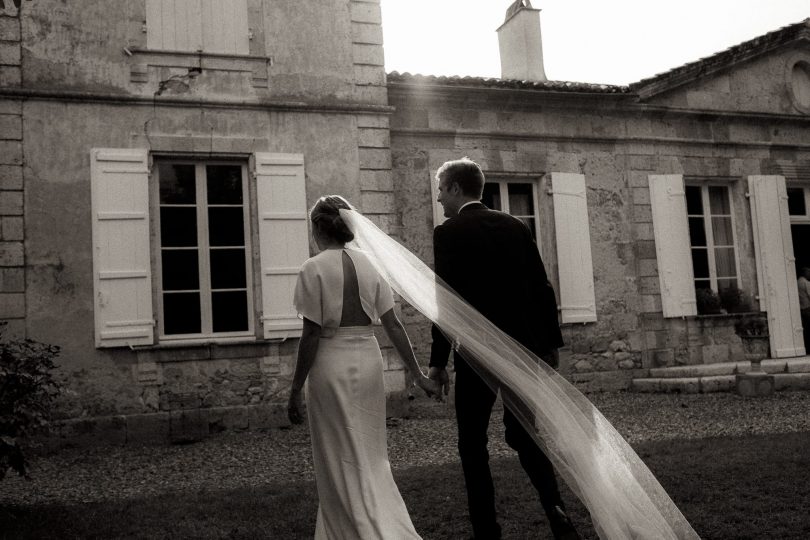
(736, 54)
(416, 81)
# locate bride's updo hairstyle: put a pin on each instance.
(326, 220)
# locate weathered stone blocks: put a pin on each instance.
(11, 254)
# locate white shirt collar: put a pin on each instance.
(467, 204)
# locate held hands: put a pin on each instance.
(440, 376)
(431, 387)
(295, 407)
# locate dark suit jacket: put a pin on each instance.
(490, 260)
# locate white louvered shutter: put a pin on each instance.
(776, 271)
(212, 26)
(283, 238)
(672, 245)
(577, 299)
(122, 280)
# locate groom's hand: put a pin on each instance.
(440, 376)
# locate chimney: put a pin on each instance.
(520, 44)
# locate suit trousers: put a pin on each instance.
(473, 402)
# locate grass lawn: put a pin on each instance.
(730, 488)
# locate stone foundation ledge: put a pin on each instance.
(180, 426)
(605, 381)
(715, 383)
(770, 365)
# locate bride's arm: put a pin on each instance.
(399, 338)
(307, 349)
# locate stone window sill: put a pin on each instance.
(723, 319)
(206, 350)
(141, 59)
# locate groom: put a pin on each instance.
(490, 260)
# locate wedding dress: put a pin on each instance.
(357, 496)
(623, 497)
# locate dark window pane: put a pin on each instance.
(230, 311)
(224, 184)
(176, 183)
(702, 284)
(492, 196)
(694, 203)
(226, 227)
(181, 313)
(726, 283)
(796, 206)
(718, 200)
(724, 261)
(178, 226)
(697, 232)
(700, 263)
(521, 200)
(722, 231)
(180, 269)
(227, 268)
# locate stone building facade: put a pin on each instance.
(720, 135)
(118, 123)
(117, 119)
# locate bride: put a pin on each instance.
(340, 294)
(358, 498)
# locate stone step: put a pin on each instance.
(770, 365)
(789, 373)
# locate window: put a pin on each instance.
(797, 203)
(203, 260)
(518, 198)
(211, 26)
(711, 236)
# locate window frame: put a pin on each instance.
(203, 257)
(709, 231)
(800, 218)
(503, 191)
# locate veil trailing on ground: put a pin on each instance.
(622, 495)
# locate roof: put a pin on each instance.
(723, 59)
(644, 88)
(490, 82)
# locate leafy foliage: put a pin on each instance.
(735, 300)
(752, 326)
(708, 303)
(27, 390)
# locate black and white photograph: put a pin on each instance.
(405, 269)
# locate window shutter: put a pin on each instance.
(213, 26)
(672, 245)
(776, 270)
(283, 238)
(122, 281)
(225, 26)
(577, 299)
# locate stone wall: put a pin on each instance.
(616, 143)
(12, 221)
(313, 83)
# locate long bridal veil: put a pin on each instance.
(622, 495)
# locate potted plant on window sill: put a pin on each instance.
(753, 332)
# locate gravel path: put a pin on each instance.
(235, 460)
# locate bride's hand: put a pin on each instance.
(295, 408)
(432, 388)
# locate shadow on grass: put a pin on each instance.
(729, 488)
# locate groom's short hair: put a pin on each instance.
(464, 172)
